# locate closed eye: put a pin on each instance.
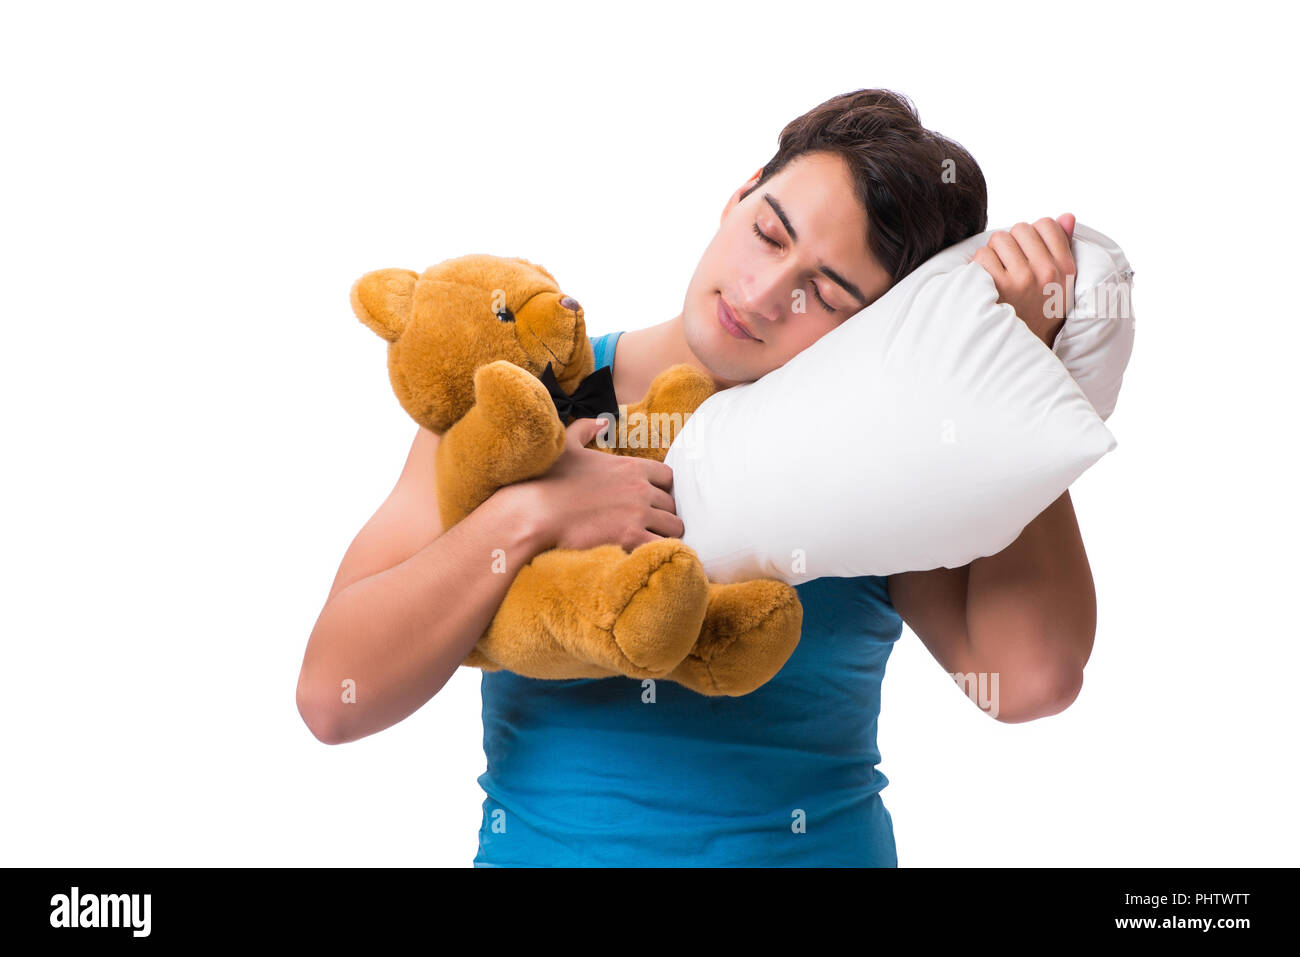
(772, 242)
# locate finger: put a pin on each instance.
(638, 537)
(1057, 240)
(1067, 223)
(1043, 267)
(582, 427)
(1012, 257)
(657, 473)
(662, 500)
(1034, 249)
(582, 431)
(665, 524)
(991, 263)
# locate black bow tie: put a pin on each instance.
(594, 395)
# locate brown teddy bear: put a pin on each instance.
(470, 342)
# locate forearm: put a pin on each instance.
(1031, 612)
(392, 640)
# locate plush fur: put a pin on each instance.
(468, 370)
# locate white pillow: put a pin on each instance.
(1097, 339)
(926, 431)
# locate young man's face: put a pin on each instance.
(773, 291)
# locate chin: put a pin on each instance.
(719, 352)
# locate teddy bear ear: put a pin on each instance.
(382, 300)
(541, 269)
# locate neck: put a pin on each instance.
(642, 354)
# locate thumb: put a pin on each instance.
(584, 430)
(1067, 223)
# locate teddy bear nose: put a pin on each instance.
(568, 302)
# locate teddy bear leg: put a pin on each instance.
(601, 611)
(750, 630)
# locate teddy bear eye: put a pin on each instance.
(505, 315)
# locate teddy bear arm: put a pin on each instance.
(680, 388)
(480, 454)
(655, 421)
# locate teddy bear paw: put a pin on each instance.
(516, 399)
(750, 630)
(664, 595)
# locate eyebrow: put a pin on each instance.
(827, 271)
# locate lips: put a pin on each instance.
(731, 322)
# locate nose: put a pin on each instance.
(568, 302)
(760, 295)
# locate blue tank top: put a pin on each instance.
(599, 772)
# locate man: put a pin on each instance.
(615, 771)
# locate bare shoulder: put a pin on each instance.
(405, 522)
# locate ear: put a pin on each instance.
(382, 300)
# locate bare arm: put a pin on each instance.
(407, 605)
(409, 600)
(1028, 614)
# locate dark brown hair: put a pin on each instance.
(898, 167)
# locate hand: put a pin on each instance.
(1033, 270)
(590, 497)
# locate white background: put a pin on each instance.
(195, 425)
